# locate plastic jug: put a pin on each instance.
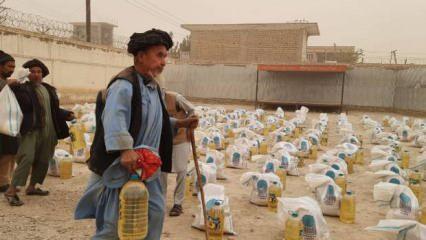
(341, 182)
(282, 174)
(347, 208)
(215, 218)
(297, 132)
(263, 149)
(313, 152)
(350, 162)
(133, 218)
(65, 167)
(78, 143)
(253, 150)
(405, 162)
(273, 194)
(188, 186)
(293, 227)
(359, 157)
(324, 139)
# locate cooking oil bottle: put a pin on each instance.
(65, 167)
(297, 132)
(324, 138)
(253, 150)
(282, 174)
(78, 143)
(293, 227)
(212, 145)
(405, 159)
(189, 184)
(350, 162)
(230, 133)
(133, 219)
(273, 194)
(341, 182)
(215, 219)
(263, 148)
(347, 208)
(313, 152)
(359, 159)
(266, 131)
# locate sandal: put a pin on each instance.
(14, 200)
(38, 192)
(176, 211)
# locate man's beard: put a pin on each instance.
(157, 71)
(6, 74)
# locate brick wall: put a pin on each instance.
(248, 46)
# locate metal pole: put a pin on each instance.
(200, 183)
(88, 22)
(342, 93)
(257, 88)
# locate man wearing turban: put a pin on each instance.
(8, 145)
(43, 124)
(134, 116)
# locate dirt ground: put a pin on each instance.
(51, 217)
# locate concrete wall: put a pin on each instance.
(317, 88)
(212, 81)
(410, 89)
(364, 86)
(72, 64)
(374, 87)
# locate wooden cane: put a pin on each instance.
(200, 183)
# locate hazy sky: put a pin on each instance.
(377, 26)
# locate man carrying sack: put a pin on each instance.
(8, 144)
(180, 108)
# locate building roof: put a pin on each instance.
(311, 28)
(348, 49)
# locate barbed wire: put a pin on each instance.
(120, 41)
(35, 23)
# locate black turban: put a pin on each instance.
(37, 63)
(4, 57)
(142, 41)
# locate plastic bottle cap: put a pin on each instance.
(134, 177)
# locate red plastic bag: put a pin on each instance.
(148, 161)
